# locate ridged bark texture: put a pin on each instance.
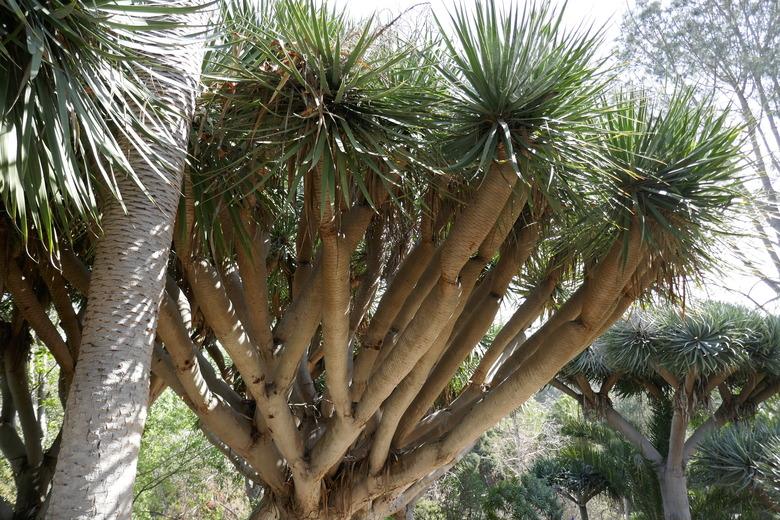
(107, 402)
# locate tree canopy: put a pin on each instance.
(356, 208)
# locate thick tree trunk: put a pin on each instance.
(107, 402)
(583, 511)
(674, 494)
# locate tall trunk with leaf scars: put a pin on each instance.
(107, 402)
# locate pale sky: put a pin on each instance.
(598, 12)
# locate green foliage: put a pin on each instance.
(710, 338)
(7, 488)
(660, 424)
(488, 484)
(303, 83)
(180, 472)
(675, 167)
(301, 95)
(596, 459)
(516, 78)
(569, 472)
(475, 490)
(725, 504)
(462, 377)
(305, 97)
(741, 459)
(427, 509)
(468, 482)
(592, 362)
(69, 95)
(527, 498)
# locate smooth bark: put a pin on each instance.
(674, 493)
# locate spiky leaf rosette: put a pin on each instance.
(305, 96)
(629, 345)
(624, 349)
(591, 362)
(306, 84)
(738, 456)
(517, 79)
(675, 166)
(69, 95)
(763, 344)
(710, 341)
(769, 469)
(710, 338)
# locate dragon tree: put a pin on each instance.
(356, 208)
(703, 369)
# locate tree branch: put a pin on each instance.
(251, 266)
(33, 312)
(335, 270)
(560, 385)
(390, 304)
(634, 436)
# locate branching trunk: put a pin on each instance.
(336, 399)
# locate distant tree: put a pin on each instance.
(477, 489)
(525, 498)
(466, 484)
(572, 475)
(678, 360)
(627, 475)
(426, 509)
(730, 48)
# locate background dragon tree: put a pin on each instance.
(701, 370)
